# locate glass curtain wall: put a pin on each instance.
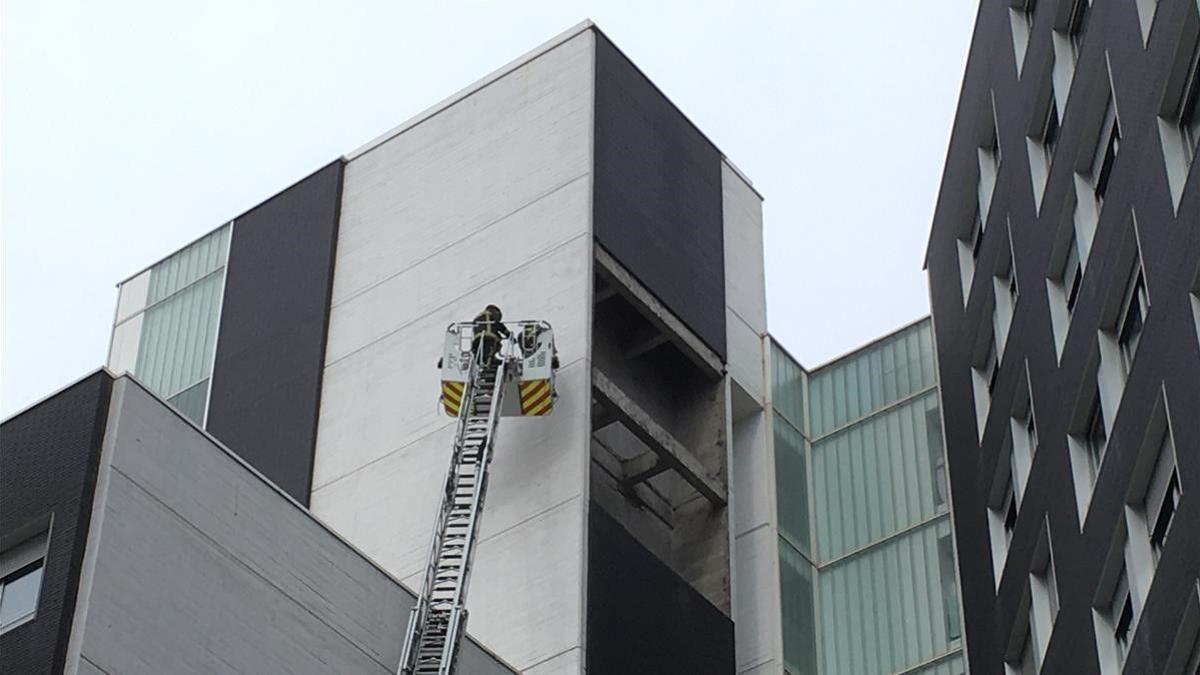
(866, 555)
(166, 325)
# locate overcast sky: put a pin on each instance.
(128, 128)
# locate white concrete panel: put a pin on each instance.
(745, 288)
(744, 350)
(199, 564)
(768, 668)
(472, 164)
(387, 508)
(752, 475)
(536, 230)
(384, 396)
(131, 297)
(757, 612)
(527, 587)
(571, 662)
(126, 340)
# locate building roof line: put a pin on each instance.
(507, 69)
(850, 352)
(304, 510)
(478, 85)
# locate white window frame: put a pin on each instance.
(1116, 606)
(1044, 599)
(1089, 418)
(1006, 290)
(22, 553)
(1180, 97)
(1021, 14)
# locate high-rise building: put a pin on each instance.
(697, 502)
(865, 553)
(305, 333)
(1064, 271)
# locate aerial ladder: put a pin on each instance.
(517, 381)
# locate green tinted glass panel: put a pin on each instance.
(200, 259)
(796, 597)
(787, 387)
(882, 611)
(877, 477)
(865, 381)
(952, 665)
(178, 337)
(191, 401)
(791, 479)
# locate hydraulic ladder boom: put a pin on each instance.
(437, 622)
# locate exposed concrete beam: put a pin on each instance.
(643, 467)
(604, 293)
(689, 343)
(644, 346)
(669, 450)
(601, 417)
(639, 493)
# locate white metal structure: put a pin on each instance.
(526, 358)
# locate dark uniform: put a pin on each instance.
(488, 331)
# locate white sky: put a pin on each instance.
(129, 128)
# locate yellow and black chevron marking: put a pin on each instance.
(536, 398)
(452, 396)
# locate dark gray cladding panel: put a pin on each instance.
(657, 202)
(49, 456)
(642, 617)
(266, 383)
(1167, 357)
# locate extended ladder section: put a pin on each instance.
(438, 620)
(477, 371)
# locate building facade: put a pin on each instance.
(133, 542)
(697, 503)
(566, 188)
(865, 553)
(1064, 273)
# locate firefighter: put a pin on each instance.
(488, 331)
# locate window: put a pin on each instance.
(1043, 586)
(1087, 436)
(1042, 137)
(1179, 110)
(1050, 127)
(1020, 657)
(1064, 276)
(1106, 152)
(937, 457)
(949, 588)
(1152, 498)
(1116, 605)
(985, 369)
(990, 158)
(1189, 109)
(1003, 509)
(1004, 287)
(1072, 274)
(21, 579)
(1020, 15)
(1120, 614)
(19, 595)
(1146, 10)
(1022, 433)
(969, 245)
(1163, 496)
(1077, 24)
(1095, 436)
(1133, 316)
